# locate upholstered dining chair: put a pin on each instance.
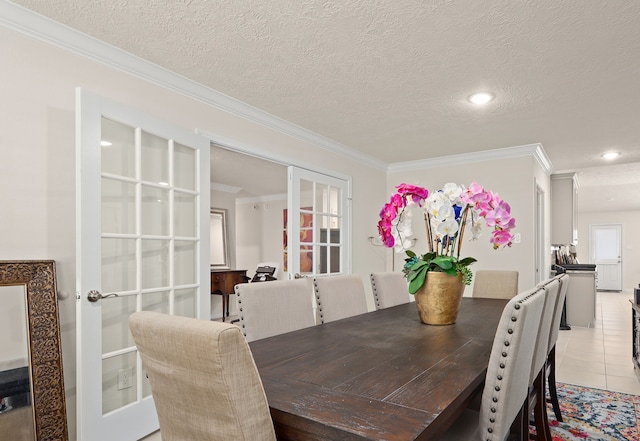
(273, 308)
(389, 289)
(495, 284)
(339, 296)
(537, 391)
(506, 384)
(204, 381)
(550, 371)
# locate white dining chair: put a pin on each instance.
(506, 384)
(550, 371)
(339, 296)
(389, 289)
(275, 307)
(536, 400)
(495, 284)
(204, 381)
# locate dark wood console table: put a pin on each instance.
(222, 283)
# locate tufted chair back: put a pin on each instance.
(507, 381)
(389, 289)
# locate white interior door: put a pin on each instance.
(318, 224)
(142, 234)
(606, 252)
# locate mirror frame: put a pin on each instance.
(43, 336)
(225, 240)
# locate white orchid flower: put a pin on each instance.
(439, 207)
(453, 191)
(448, 227)
(476, 226)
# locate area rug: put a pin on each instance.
(595, 414)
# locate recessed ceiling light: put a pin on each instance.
(105, 143)
(481, 98)
(610, 155)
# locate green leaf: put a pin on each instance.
(466, 261)
(444, 262)
(451, 271)
(417, 280)
(428, 257)
(416, 270)
(410, 253)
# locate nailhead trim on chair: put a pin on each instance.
(239, 299)
(505, 354)
(375, 291)
(318, 302)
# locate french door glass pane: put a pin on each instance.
(115, 332)
(185, 209)
(118, 265)
(155, 211)
(185, 256)
(118, 148)
(155, 159)
(155, 263)
(156, 301)
(185, 302)
(113, 396)
(321, 198)
(306, 259)
(118, 207)
(184, 163)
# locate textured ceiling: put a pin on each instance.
(391, 78)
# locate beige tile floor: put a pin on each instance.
(600, 356)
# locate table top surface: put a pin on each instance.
(377, 376)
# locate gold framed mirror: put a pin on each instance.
(42, 379)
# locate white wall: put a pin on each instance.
(630, 241)
(37, 171)
(260, 234)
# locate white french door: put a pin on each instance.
(319, 226)
(142, 244)
(606, 253)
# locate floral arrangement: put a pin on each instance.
(447, 214)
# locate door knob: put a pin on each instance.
(93, 295)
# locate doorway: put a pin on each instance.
(606, 252)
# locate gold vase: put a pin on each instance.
(438, 301)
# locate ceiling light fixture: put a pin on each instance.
(105, 143)
(610, 155)
(481, 98)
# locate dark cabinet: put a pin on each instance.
(222, 284)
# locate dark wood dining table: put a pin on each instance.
(382, 375)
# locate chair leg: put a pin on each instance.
(540, 407)
(553, 393)
(520, 427)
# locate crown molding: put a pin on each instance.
(262, 199)
(225, 188)
(535, 150)
(29, 23)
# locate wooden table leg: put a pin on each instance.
(225, 303)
